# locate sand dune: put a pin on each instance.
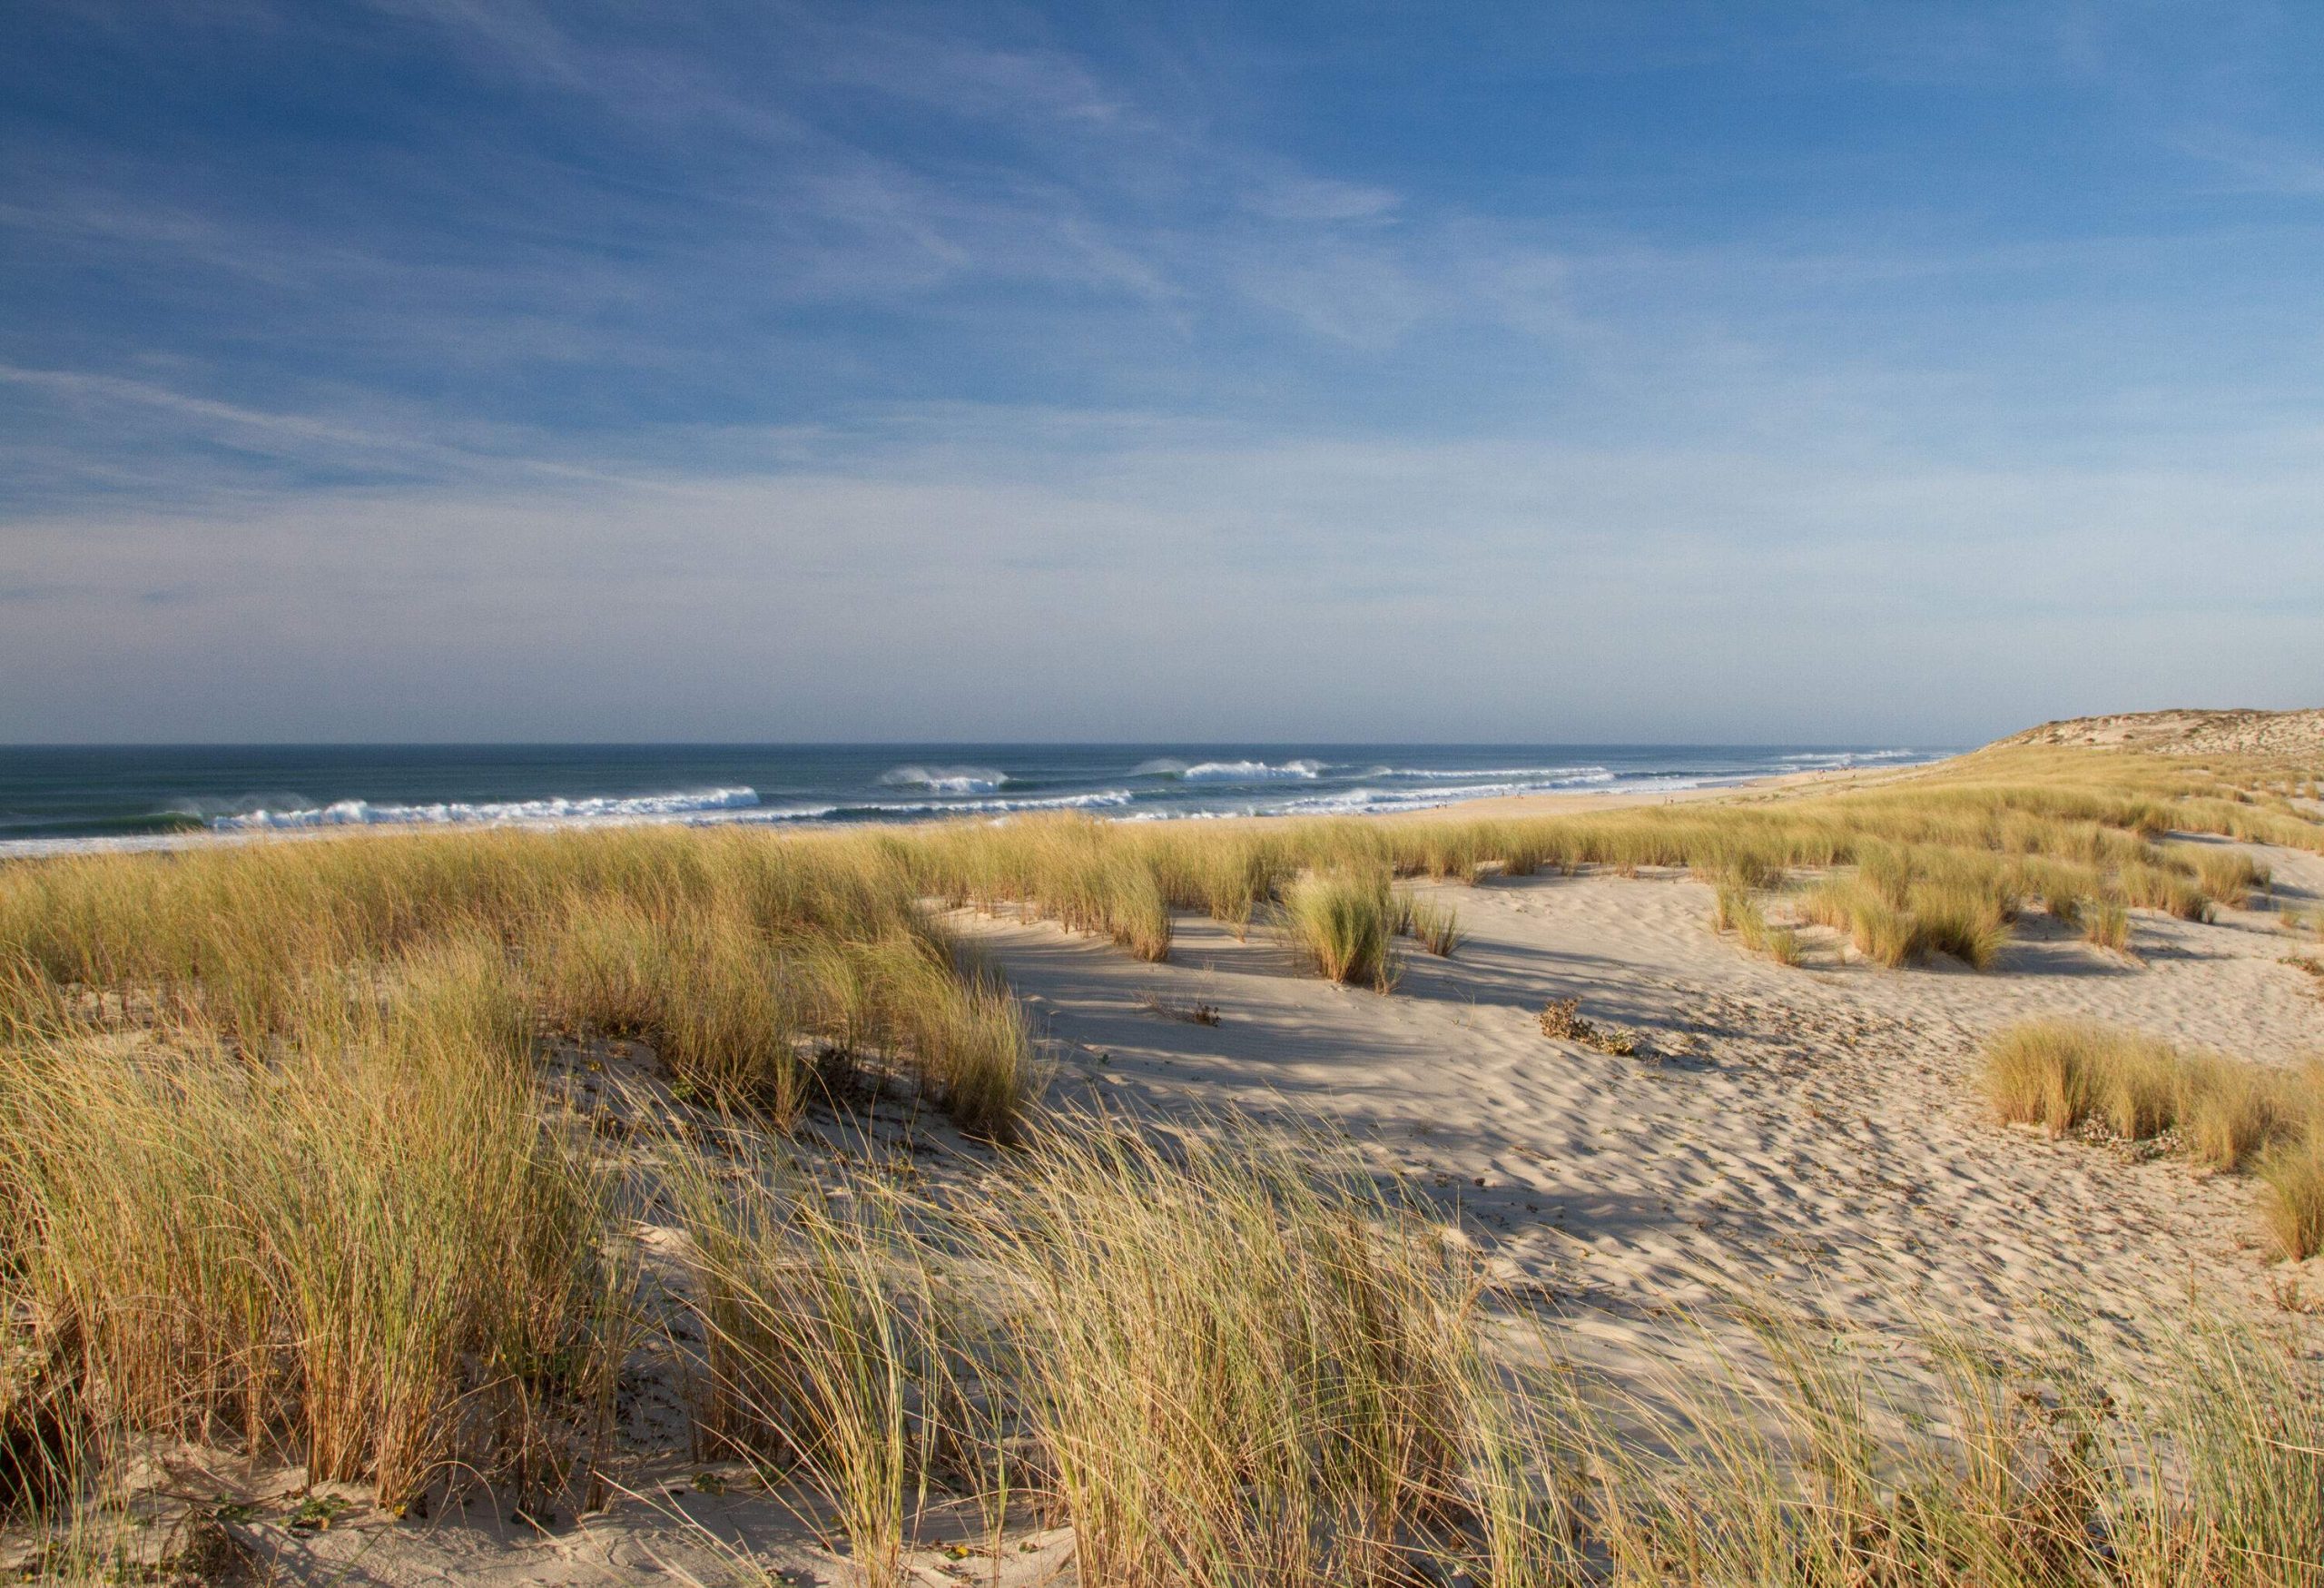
(2298, 734)
(1816, 1130)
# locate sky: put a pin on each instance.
(606, 370)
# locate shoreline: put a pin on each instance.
(1495, 807)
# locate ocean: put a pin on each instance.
(62, 798)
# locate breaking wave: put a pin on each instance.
(957, 780)
(461, 812)
(1095, 800)
(1252, 772)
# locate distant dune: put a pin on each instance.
(2189, 732)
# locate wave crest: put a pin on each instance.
(1097, 799)
(1252, 772)
(959, 780)
(461, 813)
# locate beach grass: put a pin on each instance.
(1343, 921)
(1436, 927)
(340, 1251)
(1226, 1357)
(2106, 923)
(1735, 910)
(2228, 1113)
(1237, 1367)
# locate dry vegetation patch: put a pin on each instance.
(1562, 1021)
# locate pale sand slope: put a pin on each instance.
(1816, 1131)
(2297, 734)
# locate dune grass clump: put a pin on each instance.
(1968, 921)
(729, 952)
(1237, 1370)
(1229, 875)
(2228, 1114)
(353, 1249)
(1221, 1358)
(1999, 1470)
(824, 1343)
(2106, 924)
(2156, 887)
(1878, 929)
(1733, 908)
(2058, 1073)
(1070, 869)
(1901, 904)
(1435, 927)
(2226, 876)
(1343, 922)
(2293, 1173)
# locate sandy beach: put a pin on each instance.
(1811, 1137)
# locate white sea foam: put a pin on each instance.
(957, 780)
(1251, 772)
(456, 813)
(1097, 799)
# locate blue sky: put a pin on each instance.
(461, 369)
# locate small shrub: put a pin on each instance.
(1563, 1021)
(1193, 1014)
